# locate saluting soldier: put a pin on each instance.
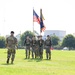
(47, 47)
(11, 44)
(27, 43)
(41, 45)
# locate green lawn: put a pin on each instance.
(62, 63)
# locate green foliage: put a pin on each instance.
(2, 42)
(69, 41)
(24, 35)
(55, 40)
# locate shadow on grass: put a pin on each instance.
(38, 60)
(47, 59)
(35, 59)
(6, 64)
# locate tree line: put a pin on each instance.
(68, 41)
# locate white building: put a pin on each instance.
(60, 33)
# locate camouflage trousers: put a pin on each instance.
(27, 51)
(11, 53)
(33, 51)
(37, 51)
(41, 52)
(48, 52)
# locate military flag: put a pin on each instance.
(42, 26)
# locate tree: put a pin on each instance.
(24, 35)
(55, 40)
(69, 41)
(2, 42)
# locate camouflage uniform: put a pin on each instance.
(47, 47)
(11, 42)
(41, 44)
(33, 43)
(37, 47)
(27, 43)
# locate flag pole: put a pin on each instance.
(40, 19)
(33, 22)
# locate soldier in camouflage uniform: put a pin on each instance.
(41, 44)
(11, 43)
(47, 47)
(27, 43)
(37, 48)
(33, 44)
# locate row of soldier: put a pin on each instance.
(37, 47)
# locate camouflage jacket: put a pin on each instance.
(27, 42)
(41, 43)
(11, 42)
(47, 42)
(33, 43)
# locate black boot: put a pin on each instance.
(32, 55)
(26, 56)
(35, 55)
(49, 58)
(47, 55)
(11, 61)
(8, 61)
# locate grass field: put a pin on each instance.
(62, 63)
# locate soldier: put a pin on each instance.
(11, 42)
(33, 44)
(41, 44)
(37, 48)
(27, 43)
(47, 47)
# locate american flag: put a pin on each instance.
(36, 17)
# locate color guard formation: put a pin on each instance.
(37, 47)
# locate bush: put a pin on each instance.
(2, 42)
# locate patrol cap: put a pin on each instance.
(47, 35)
(12, 32)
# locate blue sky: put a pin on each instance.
(17, 15)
